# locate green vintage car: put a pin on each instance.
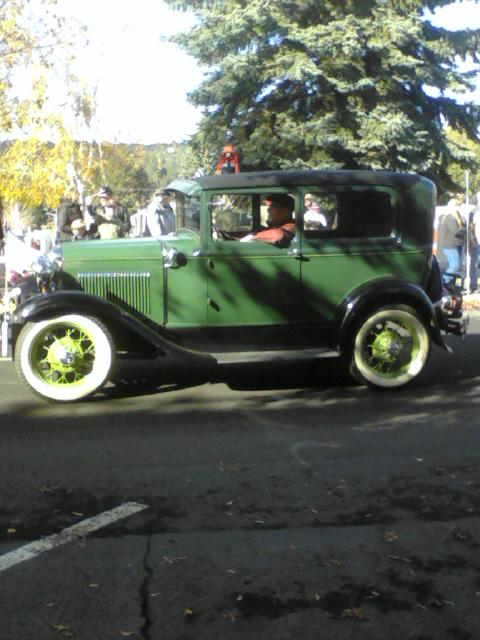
(356, 278)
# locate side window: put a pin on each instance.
(320, 211)
(361, 212)
(237, 215)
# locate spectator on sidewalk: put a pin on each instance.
(160, 215)
(67, 212)
(111, 218)
(451, 241)
(474, 244)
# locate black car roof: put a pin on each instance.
(310, 177)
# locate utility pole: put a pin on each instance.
(468, 258)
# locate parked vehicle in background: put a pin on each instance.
(364, 286)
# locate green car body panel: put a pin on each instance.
(236, 284)
(130, 273)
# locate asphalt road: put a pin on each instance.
(279, 503)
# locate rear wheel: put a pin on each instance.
(65, 358)
(390, 348)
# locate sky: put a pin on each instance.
(142, 82)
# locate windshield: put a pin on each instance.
(187, 211)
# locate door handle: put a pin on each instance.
(295, 253)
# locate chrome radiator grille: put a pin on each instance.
(133, 289)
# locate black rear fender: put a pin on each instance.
(379, 293)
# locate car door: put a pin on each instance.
(248, 283)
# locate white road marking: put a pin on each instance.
(69, 534)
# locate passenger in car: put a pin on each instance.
(281, 225)
(313, 218)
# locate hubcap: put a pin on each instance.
(63, 355)
(390, 348)
(386, 346)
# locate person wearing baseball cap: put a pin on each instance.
(105, 193)
(160, 214)
(110, 217)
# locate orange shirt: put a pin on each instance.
(277, 235)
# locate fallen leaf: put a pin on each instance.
(259, 521)
(64, 629)
(229, 503)
(239, 598)
(232, 571)
(77, 513)
(354, 613)
(11, 530)
(436, 602)
(93, 585)
(231, 615)
(400, 559)
(188, 613)
(330, 562)
(390, 536)
(154, 595)
(174, 559)
(126, 634)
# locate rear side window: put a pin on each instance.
(349, 213)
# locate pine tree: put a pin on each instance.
(330, 84)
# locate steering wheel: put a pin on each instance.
(224, 235)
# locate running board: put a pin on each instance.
(245, 357)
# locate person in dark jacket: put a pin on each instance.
(67, 212)
(111, 218)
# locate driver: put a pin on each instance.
(281, 225)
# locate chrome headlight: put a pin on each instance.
(56, 256)
(43, 266)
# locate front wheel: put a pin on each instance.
(65, 358)
(390, 348)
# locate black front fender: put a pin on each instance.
(379, 293)
(120, 322)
